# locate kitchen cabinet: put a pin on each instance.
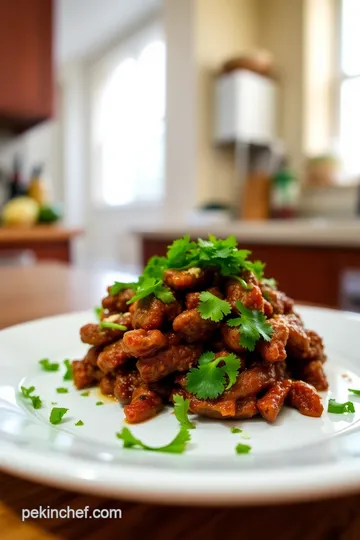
(26, 80)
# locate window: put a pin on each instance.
(128, 135)
(350, 87)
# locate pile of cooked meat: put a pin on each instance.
(146, 365)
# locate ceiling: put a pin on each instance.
(82, 26)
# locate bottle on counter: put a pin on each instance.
(284, 192)
(16, 185)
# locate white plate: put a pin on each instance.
(296, 458)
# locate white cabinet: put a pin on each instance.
(245, 108)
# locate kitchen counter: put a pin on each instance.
(288, 232)
(46, 242)
(309, 258)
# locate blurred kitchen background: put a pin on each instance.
(127, 123)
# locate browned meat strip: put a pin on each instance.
(93, 334)
(173, 338)
(270, 405)
(213, 408)
(85, 374)
(298, 344)
(192, 299)
(149, 313)
(192, 327)
(246, 408)
(175, 358)
(313, 373)
(274, 350)
(231, 338)
(304, 397)
(143, 342)
(107, 384)
(252, 381)
(92, 355)
(145, 404)
(252, 298)
(118, 302)
(125, 384)
(181, 280)
(112, 357)
(280, 303)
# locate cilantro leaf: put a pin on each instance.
(118, 286)
(35, 400)
(176, 446)
(234, 429)
(354, 391)
(208, 380)
(79, 423)
(252, 326)
(269, 282)
(57, 414)
(85, 394)
(152, 286)
(99, 403)
(62, 390)
(68, 375)
(181, 407)
(155, 267)
(242, 448)
(46, 365)
(340, 408)
(212, 307)
(179, 254)
(98, 312)
(258, 268)
(112, 325)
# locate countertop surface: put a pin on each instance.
(39, 233)
(49, 289)
(287, 232)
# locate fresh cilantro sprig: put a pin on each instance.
(181, 408)
(46, 365)
(112, 326)
(252, 326)
(176, 446)
(57, 414)
(119, 287)
(153, 286)
(340, 408)
(213, 308)
(68, 375)
(209, 380)
(35, 400)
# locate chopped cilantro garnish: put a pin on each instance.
(57, 414)
(212, 307)
(62, 390)
(98, 312)
(46, 365)
(176, 446)
(118, 287)
(270, 282)
(151, 285)
(181, 407)
(113, 326)
(35, 400)
(68, 375)
(234, 429)
(53, 403)
(340, 408)
(208, 380)
(252, 326)
(79, 423)
(242, 448)
(99, 403)
(85, 394)
(354, 391)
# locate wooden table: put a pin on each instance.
(46, 242)
(31, 292)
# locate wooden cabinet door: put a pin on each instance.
(26, 82)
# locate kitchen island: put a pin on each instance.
(309, 258)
